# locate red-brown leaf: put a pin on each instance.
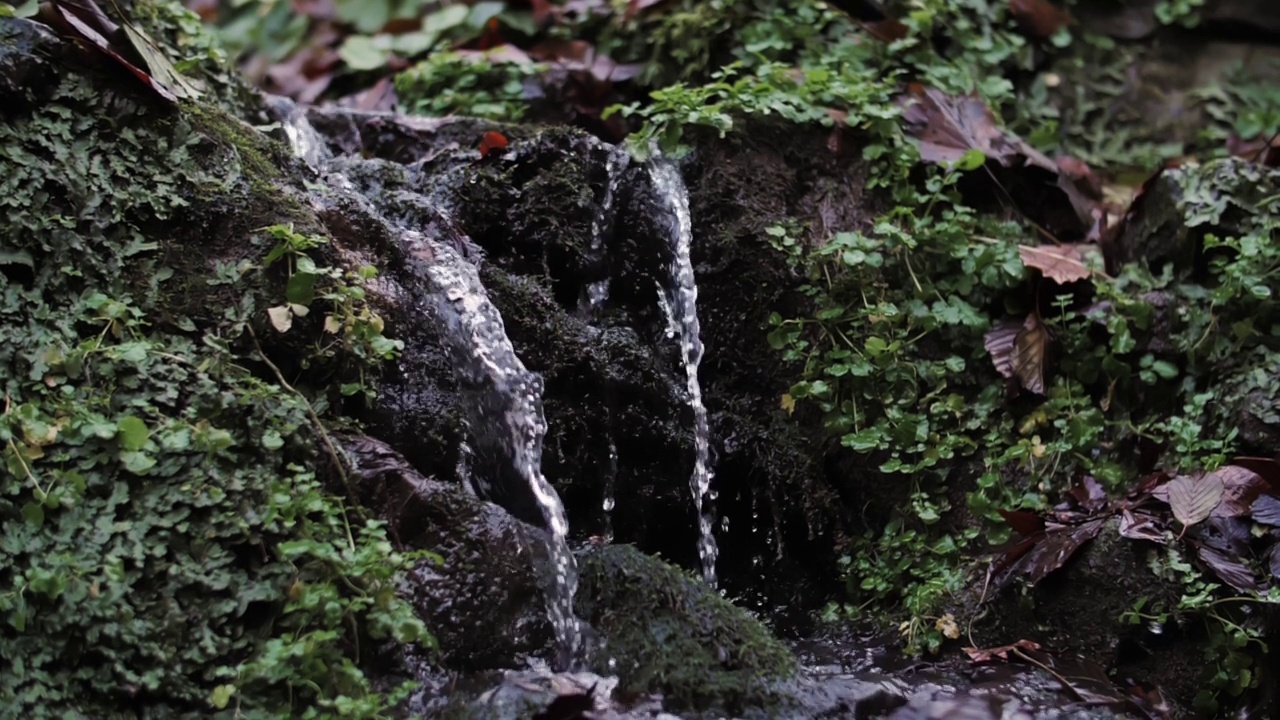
(1230, 570)
(1060, 263)
(492, 142)
(1038, 18)
(1241, 486)
(1193, 497)
(1267, 468)
(1024, 522)
(1140, 526)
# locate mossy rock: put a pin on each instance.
(668, 633)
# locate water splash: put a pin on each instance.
(609, 501)
(598, 292)
(504, 415)
(306, 143)
(679, 300)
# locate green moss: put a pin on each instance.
(169, 548)
(669, 633)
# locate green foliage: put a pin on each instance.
(169, 547)
(487, 86)
(352, 330)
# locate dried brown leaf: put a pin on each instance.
(1030, 354)
(985, 655)
(1060, 263)
(1193, 497)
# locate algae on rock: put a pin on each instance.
(666, 632)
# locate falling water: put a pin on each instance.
(504, 408)
(680, 302)
(504, 414)
(598, 291)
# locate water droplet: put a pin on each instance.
(608, 504)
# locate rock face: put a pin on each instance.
(482, 597)
(548, 225)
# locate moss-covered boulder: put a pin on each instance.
(666, 632)
(170, 546)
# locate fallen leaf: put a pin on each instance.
(1024, 522)
(281, 318)
(1266, 510)
(1266, 468)
(492, 142)
(1241, 486)
(1054, 548)
(1230, 570)
(1140, 526)
(788, 403)
(1193, 497)
(1060, 263)
(985, 655)
(1038, 18)
(948, 627)
(949, 126)
(1088, 494)
(1275, 560)
(887, 30)
(1030, 354)
(999, 344)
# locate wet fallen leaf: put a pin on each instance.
(1266, 468)
(1140, 526)
(999, 344)
(1228, 569)
(1088, 494)
(1038, 18)
(1193, 497)
(1051, 550)
(1266, 510)
(1023, 522)
(1275, 561)
(1060, 263)
(1241, 487)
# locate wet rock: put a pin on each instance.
(668, 633)
(1079, 609)
(483, 602)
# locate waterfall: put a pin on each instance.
(597, 292)
(502, 399)
(504, 415)
(679, 300)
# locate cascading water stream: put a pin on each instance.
(680, 302)
(504, 408)
(504, 415)
(598, 292)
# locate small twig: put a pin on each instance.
(315, 421)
